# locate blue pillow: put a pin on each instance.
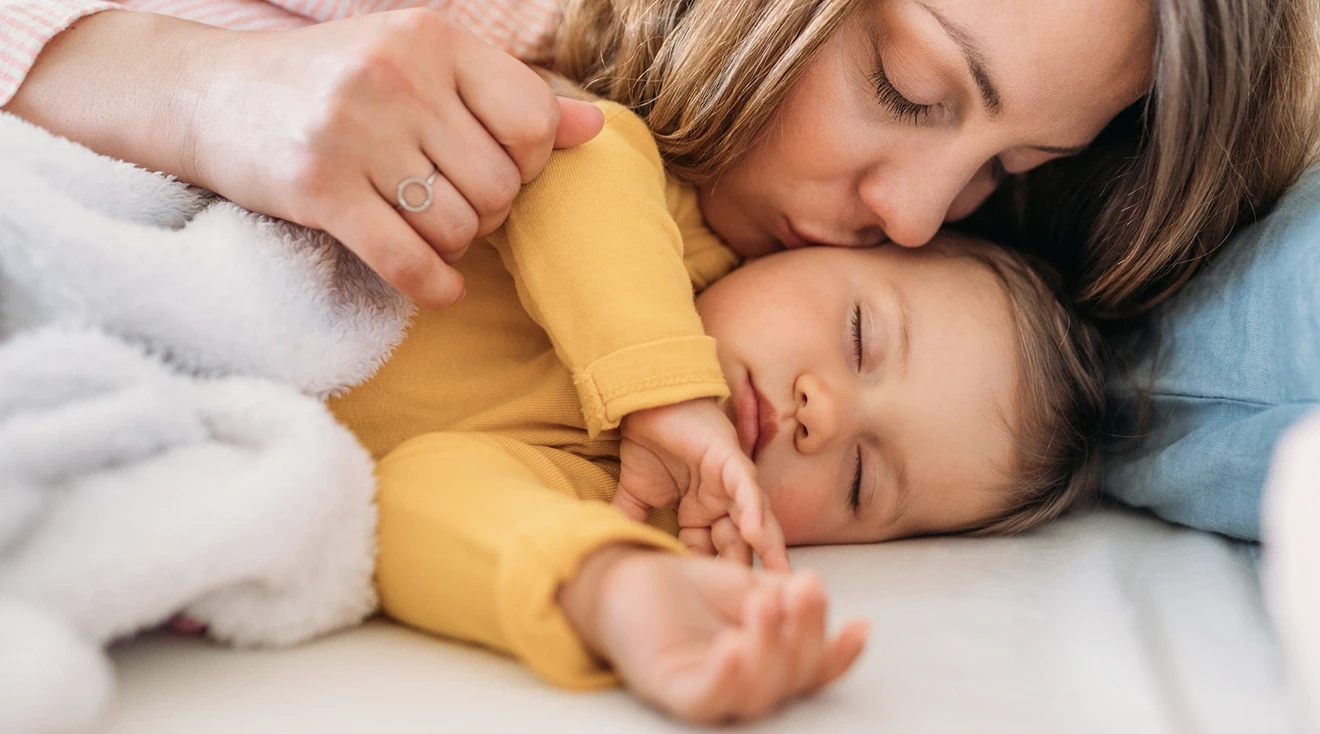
(1232, 361)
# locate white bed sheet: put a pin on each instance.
(1112, 622)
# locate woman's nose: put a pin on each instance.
(816, 413)
(974, 194)
(912, 202)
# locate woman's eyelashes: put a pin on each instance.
(902, 108)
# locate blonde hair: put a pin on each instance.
(1229, 124)
(705, 75)
(1231, 121)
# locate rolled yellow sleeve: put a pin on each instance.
(662, 372)
(474, 545)
(598, 261)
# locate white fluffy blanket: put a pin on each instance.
(163, 445)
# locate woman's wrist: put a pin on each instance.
(125, 84)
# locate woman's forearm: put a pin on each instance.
(124, 84)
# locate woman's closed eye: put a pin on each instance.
(902, 108)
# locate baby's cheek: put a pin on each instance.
(799, 511)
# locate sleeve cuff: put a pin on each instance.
(27, 26)
(543, 554)
(662, 372)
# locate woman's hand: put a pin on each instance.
(319, 125)
(706, 640)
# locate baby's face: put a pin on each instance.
(903, 431)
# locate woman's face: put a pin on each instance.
(911, 114)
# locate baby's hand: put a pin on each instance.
(707, 641)
(687, 456)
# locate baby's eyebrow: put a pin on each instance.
(904, 329)
(902, 490)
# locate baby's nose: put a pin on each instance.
(815, 414)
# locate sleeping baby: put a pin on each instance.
(558, 451)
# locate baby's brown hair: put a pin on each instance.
(1060, 393)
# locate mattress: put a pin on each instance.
(1109, 622)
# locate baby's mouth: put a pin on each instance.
(754, 417)
(747, 417)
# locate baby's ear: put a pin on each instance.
(563, 86)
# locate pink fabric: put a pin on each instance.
(524, 28)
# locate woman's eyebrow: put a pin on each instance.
(975, 60)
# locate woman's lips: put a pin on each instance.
(792, 239)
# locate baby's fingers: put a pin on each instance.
(755, 520)
(764, 655)
(708, 695)
(804, 598)
(842, 653)
(728, 543)
(629, 505)
(772, 547)
(697, 540)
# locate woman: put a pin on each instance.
(1186, 118)
(874, 120)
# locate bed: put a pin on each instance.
(1111, 622)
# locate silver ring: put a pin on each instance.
(425, 183)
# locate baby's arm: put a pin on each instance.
(598, 261)
(597, 256)
(474, 546)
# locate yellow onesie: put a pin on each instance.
(495, 422)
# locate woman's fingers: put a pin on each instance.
(321, 124)
(376, 232)
(578, 122)
(438, 213)
(511, 101)
(478, 167)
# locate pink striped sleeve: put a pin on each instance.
(524, 28)
(26, 26)
(239, 15)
